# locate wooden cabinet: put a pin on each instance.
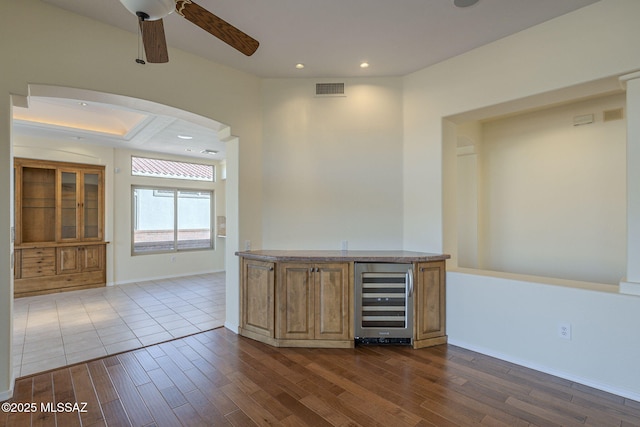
(59, 217)
(306, 298)
(257, 297)
(430, 308)
(296, 304)
(313, 301)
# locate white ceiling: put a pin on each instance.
(331, 37)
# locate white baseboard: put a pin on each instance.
(232, 327)
(629, 394)
(7, 394)
(173, 276)
(629, 288)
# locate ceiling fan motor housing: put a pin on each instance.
(155, 9)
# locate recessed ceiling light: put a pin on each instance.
(464, 3)
(300, 66)
(364, 65)
(82, 104)
(211, 152)
(188, 150)
(185, 137)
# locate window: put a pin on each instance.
(171, 219)
(142, 166)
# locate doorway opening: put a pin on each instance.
(180, 293)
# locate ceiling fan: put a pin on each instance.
(151, 12)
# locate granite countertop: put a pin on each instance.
(344, 256)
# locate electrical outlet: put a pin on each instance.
(247, 245)
(344, 245)
(564, 331)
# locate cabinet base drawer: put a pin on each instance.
(312, 343)
(53, 284)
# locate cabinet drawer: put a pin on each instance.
(39, 253)
(38, 262)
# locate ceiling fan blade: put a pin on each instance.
(155, 43)
(217, 26)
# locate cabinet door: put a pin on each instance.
(92, 257)
(68, 205)
(92, 205)
(332, 317)
(430, 300)
(295, 293)
(68, 260)
(257, 297)
(36, 219)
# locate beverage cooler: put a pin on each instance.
(383, 303)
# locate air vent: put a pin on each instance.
(585, 119)
(610, 115)
(330, 89)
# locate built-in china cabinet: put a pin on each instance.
(59, 227)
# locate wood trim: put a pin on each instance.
(18, 205)
(51, 164)
(59, 245)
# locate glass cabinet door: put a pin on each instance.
(38, 205)
(69, 205)
(91, 205)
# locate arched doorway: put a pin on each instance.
(154, 120)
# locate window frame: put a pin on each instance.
(176, 191)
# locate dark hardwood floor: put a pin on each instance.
(217, 378)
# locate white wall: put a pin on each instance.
(594, 43)
(332, 165)
(553, 195)
(468, 215)
(517, 319)
(6, 252)
(41, 44)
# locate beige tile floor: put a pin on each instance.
(65, 328)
